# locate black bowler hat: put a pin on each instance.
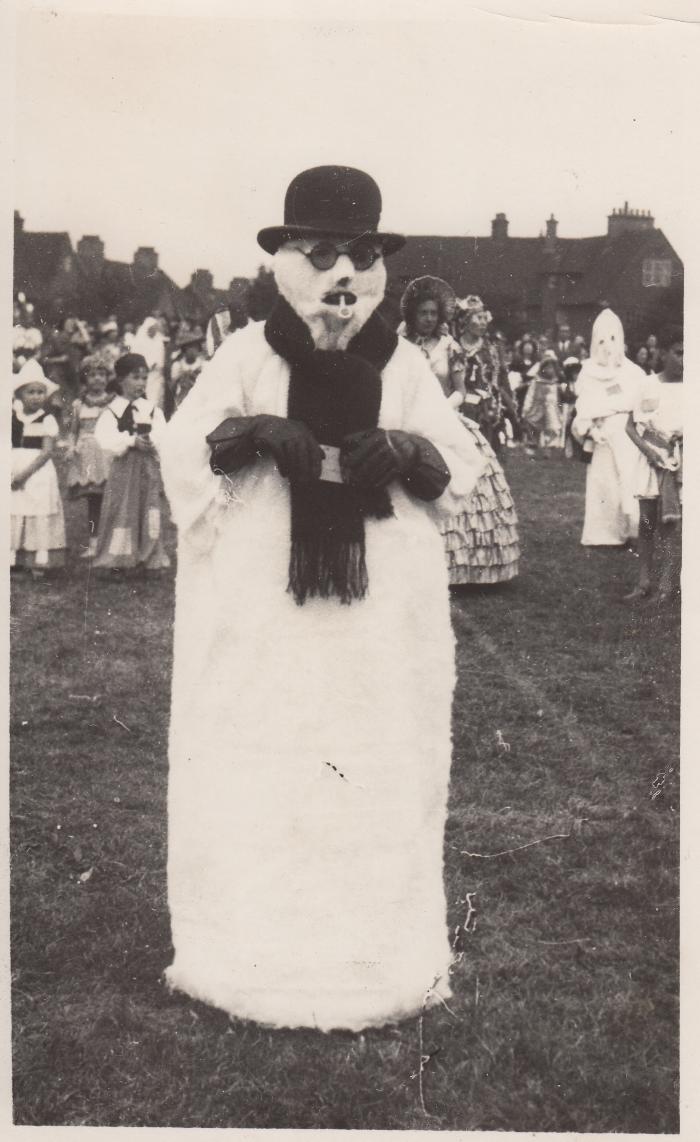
(327, 201)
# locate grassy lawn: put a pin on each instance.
(564, 1014)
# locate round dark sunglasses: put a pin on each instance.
(324, 255)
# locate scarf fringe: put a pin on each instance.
(322, 569)
(334, 393)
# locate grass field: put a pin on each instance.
(561, 850)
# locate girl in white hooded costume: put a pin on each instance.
(608, 389)
(310, 730)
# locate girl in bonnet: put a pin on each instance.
(608, 389)
(37, 538)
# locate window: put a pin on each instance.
(656, 272)
(67, 264)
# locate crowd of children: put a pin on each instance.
(111, 462)
(622, 418)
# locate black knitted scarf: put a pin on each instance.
(334, 393)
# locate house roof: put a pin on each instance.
(512, 268)
(471, 265)
(38, 258)
(122, 282)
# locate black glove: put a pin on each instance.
(374, 458)
(238, 440)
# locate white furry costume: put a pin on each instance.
(310, 745)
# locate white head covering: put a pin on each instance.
(596, 398)
(607, 341)
(152, 347)
(32, 373)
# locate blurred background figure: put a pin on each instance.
(108, 347)
(641, 358)
(27, 338)
(522, 362)
(150, 343)
(62, 356)
(563, 345)
(567, 394)
(188, 363)
(654, 359)
(542, 412)
(128, 335)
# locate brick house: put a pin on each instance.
(46, 270)
(63, 282)
(131, 291)
(540, 283)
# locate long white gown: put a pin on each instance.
(603, 406)
(309, 746)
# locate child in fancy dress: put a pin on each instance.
(88, 464)
(656, 427)
(37, 533)
(130, 535)
(188, 365)
(542, 404)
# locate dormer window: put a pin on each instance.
(656, 272)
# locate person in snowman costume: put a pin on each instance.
(314, 658)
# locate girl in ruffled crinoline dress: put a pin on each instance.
(37, 530)
(481, 543)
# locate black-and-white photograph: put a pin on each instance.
(346, 503)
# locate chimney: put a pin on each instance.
(91, 251)
(551, 238)
(202, 281)
(624, 220)
(146, 260)
(19, 225)
(499, 228)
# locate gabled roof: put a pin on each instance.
(38, 258)
(471, 265)
(512, 268)
(123, 283)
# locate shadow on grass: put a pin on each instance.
(564, 1014)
